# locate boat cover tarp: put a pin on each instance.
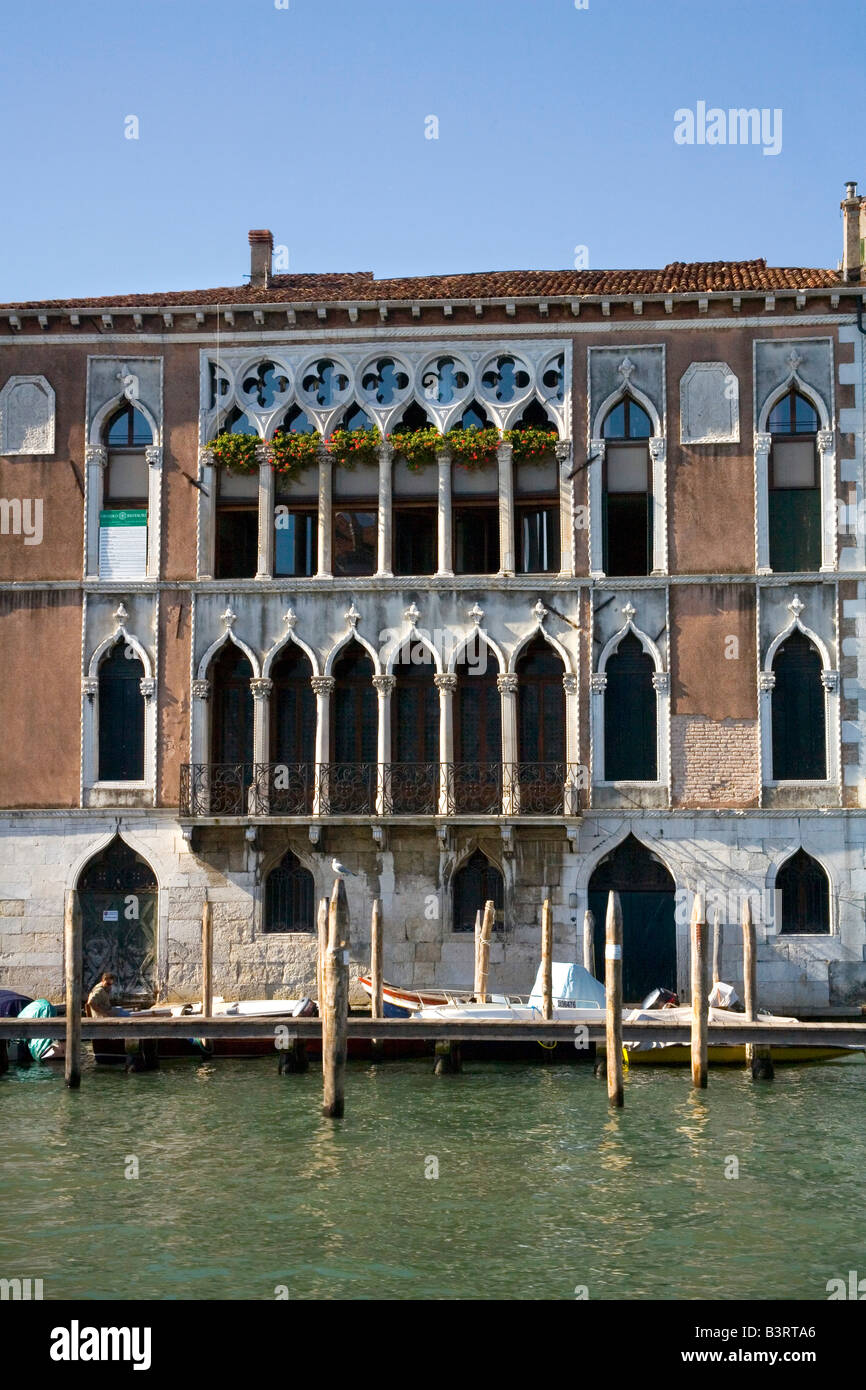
(40, 1008)
(572, 982)
(11, 1003)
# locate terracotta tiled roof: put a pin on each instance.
(678, 278)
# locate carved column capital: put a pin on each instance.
(826, 441)
(147, 686)
(443, 458)
(830, 681)
(322, 685)
(596, 450)
(763, 443)
(661, 682)
(261, 688)
(562, 449)
(506, 685)
(767, 681)
(384, 684)
(658, 447)
(446, 680)
(504, 451)
(598, 682)
(153, 455)
(90, 686)
(201, 690)
(96, 453)
(569, 683)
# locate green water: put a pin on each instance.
(243, 1186)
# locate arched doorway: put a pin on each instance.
(117, 891)
(649, 939)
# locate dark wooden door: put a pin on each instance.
(647, 894)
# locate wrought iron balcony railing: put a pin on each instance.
(389, 789)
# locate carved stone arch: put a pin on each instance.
(227, 636)
(281, 642)
(645, 640)
(412, 636)
(219, 419)
(105, 412)
(515, 411)
(775, 867)
(809, 393)
(93, 851)
(590, 862)
(120, 634)
(796, 625)
(488, 640)
(352, 635)
(273, 857)
(614, 399)
(540, 631)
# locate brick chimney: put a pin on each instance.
(261, 250)
(854, 218)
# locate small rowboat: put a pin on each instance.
(400, 1003)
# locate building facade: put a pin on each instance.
(629, 656)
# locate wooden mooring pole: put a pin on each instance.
(589, 942)
(546, 959)
(377, 1009)
(758, 1058)
(700, 1006)
(717, 946)
(613, 996)
(484, 951)
(476, 977)
(73, 966)
(322, 931)
(336, 1000)
(207, 960)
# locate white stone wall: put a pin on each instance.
(724, 856)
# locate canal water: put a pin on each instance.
(243, 1190)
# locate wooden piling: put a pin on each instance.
(73, 967)
(717, 946)
(207, 960)
(546, 959)
(294, 1060)
(376, 1001)
(336, 1001)
(4, 1057)
(484, 950)
(589, 942)
(476, 979)
(448, 1059)
(758, 1058)
(322, 930)
(613, 998)
(700, 1006)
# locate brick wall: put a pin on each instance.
(714, 762)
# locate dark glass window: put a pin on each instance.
(798, 712)
(355, 539)
(237, 542)
(415, 539)
(476, 539)
(538, 538)
(293, 708)
(540, 705)
(805, 891)
(475, 883)
(128, 429)
(232, 715)
(630, 753)
(289, 896)
(795, 489)
(354, 709)
(296, 533)
(121, 716)
(415, 707)
(626, 500)
(627, 420)
(478, 724)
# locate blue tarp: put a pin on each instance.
(571, 982)
(40, 1008)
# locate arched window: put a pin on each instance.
(798, 712)
(630, 745)
(289, 897)
(805, 895)
(474, 417)
(121, 716)
(477, 732)
(354, 724)
(356, 418)
(231, 732)
(540, 727)
(237, 512)
(627, 490)
(475, 882)
(123, 516)
(293, 733)
(414, 733)
(117, 891)
(794, 485)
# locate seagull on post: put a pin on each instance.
(340, 869)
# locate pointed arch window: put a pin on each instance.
(123, 516)
(292, 733)
(805, 896)
(475, 882)
(798, 712)
(354, 734)
(627, 490)
(414, 732)
(794, 485)
(630, 715)
(121, 716)
(478, 733)
(289, 897)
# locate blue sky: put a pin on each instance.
(555, 131)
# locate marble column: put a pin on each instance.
(323, 687)
(566, 508)
(265, 563)
(384, 690)
(507, 687)
(153, 455)
(506, 509)
(96, 458)
(384, 565)
(446, 563)
(326, 506)
(261, 688)
(446, 684)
